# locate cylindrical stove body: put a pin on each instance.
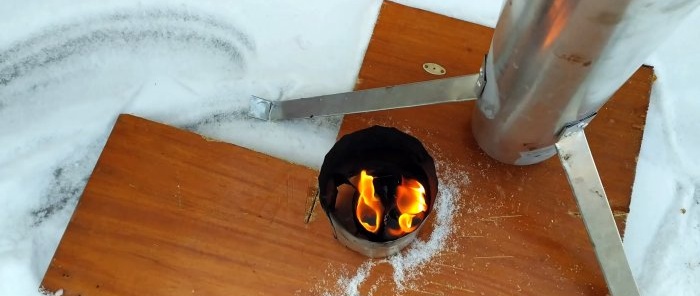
(392, 155)
(555, 62)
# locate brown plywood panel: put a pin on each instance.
(520, 231)
(168, 212)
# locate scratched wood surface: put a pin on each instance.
(519, 231)
(168, 212)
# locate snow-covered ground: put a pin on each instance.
(67, 68)
(662, 238)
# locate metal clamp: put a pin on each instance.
(577, 125)
(481, 81)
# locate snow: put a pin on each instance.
(408, 264)
(662, 238)
(351, 285)
(480, 12)
(67, 68)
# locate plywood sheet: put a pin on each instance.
(168, 212)
(519, 230)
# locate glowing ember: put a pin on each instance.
(369, 207)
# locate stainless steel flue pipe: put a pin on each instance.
(555, 62)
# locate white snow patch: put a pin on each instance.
(352, 284)
(67, 68)
(44, 292)
(662, 239)
(480, 12)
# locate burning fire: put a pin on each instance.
(369, 207)
(410, 200)
(410, 204)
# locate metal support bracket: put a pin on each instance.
(576, 157)
(454, 89)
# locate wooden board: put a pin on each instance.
(168, 212)
(520, 231)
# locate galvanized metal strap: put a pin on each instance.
(576, 157)
(461, 88)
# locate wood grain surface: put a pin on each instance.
(520, 231)
(168, 212)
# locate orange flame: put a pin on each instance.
(410, 201)
(369, 208)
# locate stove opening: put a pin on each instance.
(377, 187)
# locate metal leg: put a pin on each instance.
(462, 88)
(575, 156)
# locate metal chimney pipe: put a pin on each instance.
(553, 63)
